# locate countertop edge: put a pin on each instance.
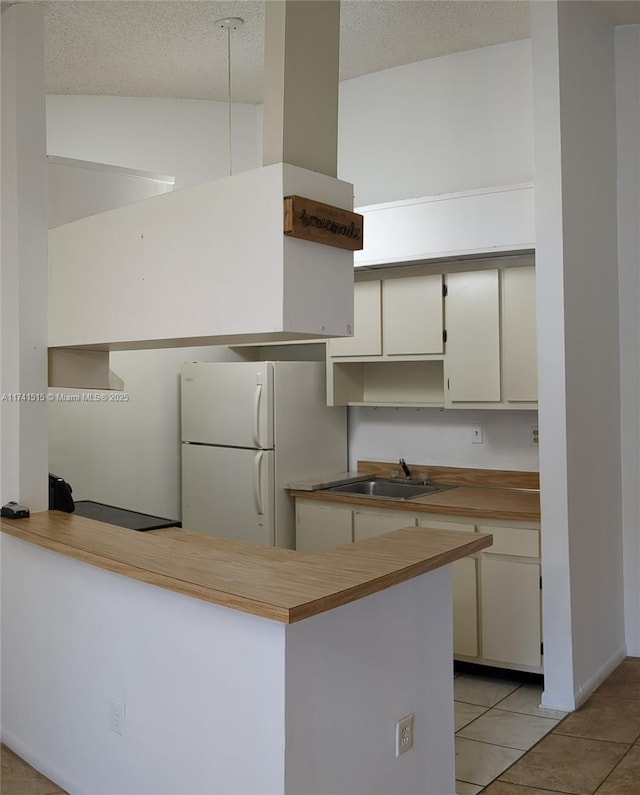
(410, 506)
(287, 591)
(174, 584)
(479, 541)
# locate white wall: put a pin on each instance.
(352, 673)
(127, 453)
(203, 685)
(578, 361)
(77, 188)
(218, 701)
(418, 130)
(627, 43)
(444, 125)
(186, 139)
(437, 437)
(448, 124)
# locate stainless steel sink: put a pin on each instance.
(388, 489)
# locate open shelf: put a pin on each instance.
(386, 383)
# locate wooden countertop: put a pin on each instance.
(476, 501)
(478, 493)
(273, 583)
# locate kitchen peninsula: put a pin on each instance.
(244, 669)
(497, 594)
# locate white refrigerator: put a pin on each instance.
(248, 428)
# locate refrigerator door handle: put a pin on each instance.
(257, 396)
(257, 482)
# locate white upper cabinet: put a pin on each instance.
(395, 317)
(520, 378)
(412, 315)
(367, 324)
(472, 363)
(471, 346)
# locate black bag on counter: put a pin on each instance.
(60, 498)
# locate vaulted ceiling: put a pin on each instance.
(158, 48)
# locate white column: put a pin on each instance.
(23, 290)
(579, 373)
(627, 43)
(301, 56)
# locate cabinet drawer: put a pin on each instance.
(367, 524)
(439, 524)
(513, 541)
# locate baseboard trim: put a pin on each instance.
(560, 701)
(51, 772)
(587, 689)
(549, 701)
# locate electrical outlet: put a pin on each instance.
(477, 434)
(117, 716)
(533, 439)
(404, 734)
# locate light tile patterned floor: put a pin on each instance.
(505, 743)
(497, 719)
(593, 751)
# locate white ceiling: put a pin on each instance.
(171, 48)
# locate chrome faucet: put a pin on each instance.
(405, 468)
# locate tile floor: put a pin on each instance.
(505, 743)
(497, 719)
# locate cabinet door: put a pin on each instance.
(367, 325)
(465, 594)
(472, 358)
(520, 377)
(321, 526)
(510, 609)
(412, 316)
(367, 524)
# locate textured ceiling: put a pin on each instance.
(159, 48)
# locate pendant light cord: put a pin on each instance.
(229, 96)
(229, 24)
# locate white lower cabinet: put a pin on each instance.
(465, 593)
(496, 593)
(511, 611)
(510, 607)
(322, 526)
